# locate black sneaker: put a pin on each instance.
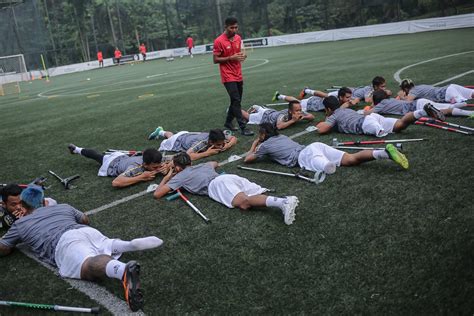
(131, 286)
(231, 126)
(246, 132)
(434, 112)
(71, 148)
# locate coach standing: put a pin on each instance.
(228, 55)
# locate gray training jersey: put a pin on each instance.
(346, 121)
(42, 229)
(424, 91)
(315, 104)
(197, 141)
(194, 179)
(362, 92)
(129, 166)
(281, 149)
(395, 107)
(273, 116)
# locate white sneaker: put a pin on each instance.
(289, 209)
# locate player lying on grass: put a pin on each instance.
(316, 156)
(228, 189)
(383, 104)
(358, 94)
(348, 121)
(127, 170)
(197, 145)
(11, 208)
(452, 93)
(60, 236)
(280, 119)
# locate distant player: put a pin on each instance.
(280, 119)
(143, 51)
(316, 156)
(228, 189)
(227, 53)
(348, 121)
(190, 44)
(383, 104)
(197, 145)
(100, 58)
(127, 170)
(117, 55)
(452, 93)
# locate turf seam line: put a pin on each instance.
(97, 293)
(136, 195)
(454, 77)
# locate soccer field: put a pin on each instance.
(372, 239)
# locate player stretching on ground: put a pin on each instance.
(227, 53)
(61, 236)
(350, 122)
(127, 170)
(197, 145)
(383, 104)
(316, 156)
(280, 119)
(452, 93)
(228, 189)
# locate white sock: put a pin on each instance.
(459, 112)
(380, 154)
(419, 113)
(458, 105)
(162, 133)
(115, 269)
(281, 97)
(273, 201)
(309, 91)
(120, 246)
(77, 150)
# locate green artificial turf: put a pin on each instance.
(372, 239)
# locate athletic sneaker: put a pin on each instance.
(289, 209)
(434, 112)
(131, 286)
(246, 132)
(275, 96)
(397, 156)
(156, 133)
(71, 148)
(302, 93)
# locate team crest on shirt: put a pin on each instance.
(228, 47)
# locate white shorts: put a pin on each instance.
(304, 105)
(376, 124)
(224, 188)
(168, 144)
(456, 93)
(420, 103)
(320, 157)
(106, 162)
(76, 245)
(256, 117)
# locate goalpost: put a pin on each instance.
(12, 72)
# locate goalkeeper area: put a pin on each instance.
(371, 239)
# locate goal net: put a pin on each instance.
(12, 72)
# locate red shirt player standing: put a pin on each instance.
(143, 51)
(190, 44)
(117, 55)
(100, 59)
(229, 57)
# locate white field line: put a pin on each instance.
(396, 76)
(99, 294)
(136, 195)
(455, 77)
(157, 75)
(43, 94)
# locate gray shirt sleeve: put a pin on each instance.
(177, 181)
(331, 120)
(11, 238)
(262, 150)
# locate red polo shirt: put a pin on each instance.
(223, 47)
(189, 42)
(99, 56)
(142, 49)
(117, 54)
